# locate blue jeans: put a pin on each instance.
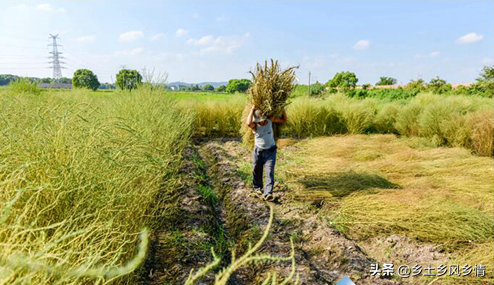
(263, 159)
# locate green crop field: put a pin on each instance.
(88, 178)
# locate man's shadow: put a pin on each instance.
(341, 184)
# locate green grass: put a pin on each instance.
(79, 174)
(215, 118)
(205, 96)
(453, 120)
(457, 121)
(80, 170)
(24, 86)
(207, 194)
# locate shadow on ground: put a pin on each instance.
(341, 184)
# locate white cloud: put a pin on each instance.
(435, 53)
(181, 32)
(469, 38)
(222, 18)
(45, 7)
(202, 41)
(430, 55)
(134, 51)
(361, 45)
(86, 39)
(168, 56)
(131, 36)
(221, 44)
(49, 8)
(158, 36)
(19, 7)
(487, 60)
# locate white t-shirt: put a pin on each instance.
(264, 136)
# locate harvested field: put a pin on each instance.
(346, 200)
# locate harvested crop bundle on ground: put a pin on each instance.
(270, 90)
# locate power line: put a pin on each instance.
(21, 46)
(31, 61)
(86, 61)
(16, 63)
(19, 56)
(15, 35)
(79, 63)
(15, 67)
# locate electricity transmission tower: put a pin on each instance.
(56, 56)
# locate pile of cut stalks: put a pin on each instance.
(270, 92)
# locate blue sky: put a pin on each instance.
(197, 41)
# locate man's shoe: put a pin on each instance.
(256, 193)
(268, 197)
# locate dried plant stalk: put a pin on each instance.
(270, 90)
(271, 87)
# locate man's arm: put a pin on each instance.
(281, 120)
(248, 121)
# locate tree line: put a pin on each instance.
(346, 82)
(127, 79)
(6, 79)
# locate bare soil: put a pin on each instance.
(323, 254)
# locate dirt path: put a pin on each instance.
(213, 208)
(323, 255)
(187, 226)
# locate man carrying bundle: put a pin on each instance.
(264, 153)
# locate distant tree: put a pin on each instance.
(208, 88)
(316, 89)
(195, 88)
(128, 79)
(487, 73)
(221, 88)
(485, 83)
(64, 80)
(345, 80)
(438, 86)
(415, 85)
(366, 86)
(386, 81)
(6, 79)
(85, 78)
(107, 86)
(238, 85)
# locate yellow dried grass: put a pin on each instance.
(270, 90)
(271, 87)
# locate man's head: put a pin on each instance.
(259, 117)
